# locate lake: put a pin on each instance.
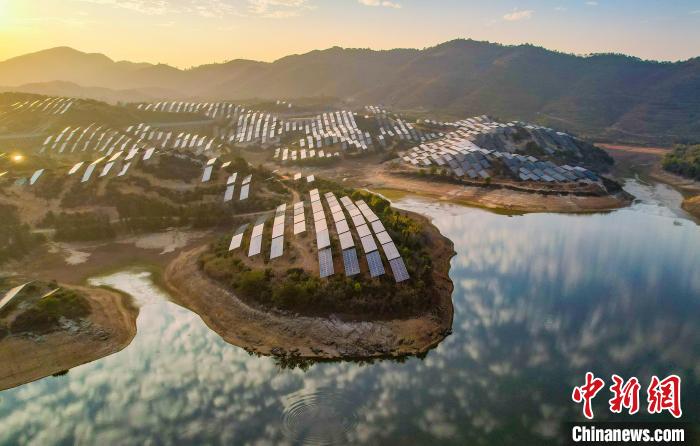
(539, 300)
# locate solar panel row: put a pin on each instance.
(398, 267)
(325, 262)
(374, 261)
(352, 265)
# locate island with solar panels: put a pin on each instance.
(257, 215)
(335, 273)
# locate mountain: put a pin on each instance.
(70, 89)
(606, 96)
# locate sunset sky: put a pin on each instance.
(192, 32)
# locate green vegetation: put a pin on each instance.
(44, 316)
(145, 206)
(298, 291)
(173, 167)
(684, 160)
(37, 315)
(16, 238)
(80, 226)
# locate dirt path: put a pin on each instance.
(311, 337)
(112, 327)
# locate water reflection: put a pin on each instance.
(539, 300)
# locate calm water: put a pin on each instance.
(539, 300)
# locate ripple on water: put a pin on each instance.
(321, 417)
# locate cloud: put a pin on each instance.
(382, 3)
(517, 15)
(592, 3)
(277, 8)
(697, 11)
(204, 8)
(149, 7)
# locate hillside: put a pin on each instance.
(604, 96)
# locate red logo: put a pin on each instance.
(587, 392)
(665, 395)
(662, 395)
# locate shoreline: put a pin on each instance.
(304, 337)
(499, 199)
(112, 327)
(647, 162)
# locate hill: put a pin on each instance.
(606, 96)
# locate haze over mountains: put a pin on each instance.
(605, 96)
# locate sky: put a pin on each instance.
(187, 33)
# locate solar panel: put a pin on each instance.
(323, 239)
(399, 269)
(321, 225)
(299, 227)
(277, 247)
(316, 207)
(277, 231)
(390, 251)
(237, 238)
(363, 231)
(368, 244)
(36, 176)
(320, 215)
(358, 220)
(338, 216)
(342, 226)
(124, 169)
(207, 174)
(374, 261)
(383, 238)
(88, 172)
(258, 228)
(377, 226)
(298, 218)
(228, 195)
(325, 262)
(371, 217)
(75, 168)
(255, 246)
(346, 240)
(11, 294)
(245, 190)
(352, 265)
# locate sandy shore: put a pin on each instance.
(303, 337)
(505, 200)
(111, 327)
(380, 177)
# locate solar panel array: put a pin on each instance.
(169, 140)
(256, 238)
(374, 261)
(367, 241)
(464, 158)
(212, 110)
(230, 187)
(51, 105)
(392, 125)
(299, 218)
(237, 238)
(388, 246)
(277, 246)
(325, 262)
(323, 241)
(398, 268)
(352, 265)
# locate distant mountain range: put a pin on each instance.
(611, 97)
